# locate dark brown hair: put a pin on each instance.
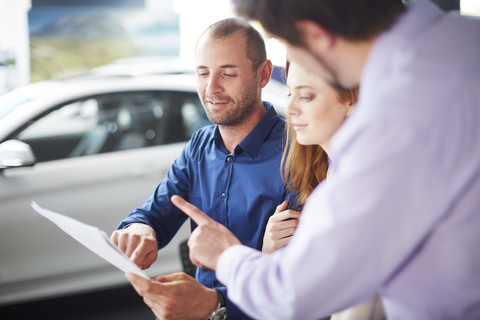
(351, 19)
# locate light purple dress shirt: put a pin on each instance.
(400, 216)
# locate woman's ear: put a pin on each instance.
(350, 106)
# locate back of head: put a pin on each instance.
(351, 19)
(255, 45)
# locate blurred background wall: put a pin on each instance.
(51, 39)
(14, 44)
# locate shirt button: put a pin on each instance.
(224, 195)
(229, 158)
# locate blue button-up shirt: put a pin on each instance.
(240, 189)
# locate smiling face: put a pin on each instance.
(226, 82)
(314, 109)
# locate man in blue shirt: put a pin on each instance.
(230, 169)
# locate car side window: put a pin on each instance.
(186, 115)
(55, 134)
(114, 122)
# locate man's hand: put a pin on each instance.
(280, 228)
(209, 239)
(175, 296)
(138, 242)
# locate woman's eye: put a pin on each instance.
(306, 98)
(230, 75)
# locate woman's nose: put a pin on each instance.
(292, 108)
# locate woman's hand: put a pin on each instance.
(280, 228)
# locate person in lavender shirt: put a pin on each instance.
(399, 217)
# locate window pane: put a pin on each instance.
(56, 134)
(115, 122)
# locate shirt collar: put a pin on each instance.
(254, 140)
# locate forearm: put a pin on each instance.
(158, 212)
(290, 285)
(354, 235)
(257, 302)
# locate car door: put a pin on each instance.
(98, 157)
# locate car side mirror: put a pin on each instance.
(15, 153)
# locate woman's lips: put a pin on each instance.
(297, 127)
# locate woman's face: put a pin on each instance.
(314, 109)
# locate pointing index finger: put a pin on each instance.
(190, 210)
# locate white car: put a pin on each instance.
(92, 148)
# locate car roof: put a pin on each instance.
(137, 66)
(33, 99)
(73, 88)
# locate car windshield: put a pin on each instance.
(11, 100)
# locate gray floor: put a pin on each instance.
(119, 304)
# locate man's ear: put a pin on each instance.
(264, 73)
(314, 35)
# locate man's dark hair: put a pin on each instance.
(255, 45)
(351, 19)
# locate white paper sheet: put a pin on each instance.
(93, 238)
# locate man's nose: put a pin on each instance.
(214, 85)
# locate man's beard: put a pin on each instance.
(236, 112)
